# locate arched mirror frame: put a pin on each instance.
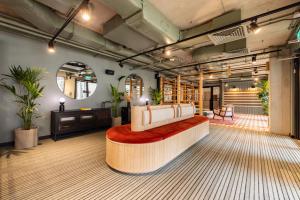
(134, 83)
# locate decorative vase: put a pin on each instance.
(116, 121)
(26, 138)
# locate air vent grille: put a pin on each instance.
(228, 35)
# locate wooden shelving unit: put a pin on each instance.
(188, 92)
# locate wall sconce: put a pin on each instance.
(62, 104)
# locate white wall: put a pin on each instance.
(280, 96)
(18, 50)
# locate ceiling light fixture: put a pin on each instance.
(51, 48)
(255, 70)
(255, 79)
(121, 64)
(168, 52)
(198, 68)
(172, 59)
(85, 12)
(254, 59)
(254, 27)
(210, 76)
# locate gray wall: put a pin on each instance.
(20, 50)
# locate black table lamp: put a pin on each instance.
(62, 104)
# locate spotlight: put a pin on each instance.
(254, 59)
(255, 79)
(51, 47)
(197, 68)
(226, 84)
(210, 76)
(254, 27)
(255, 70)
(85, 12)
(121, 64)
(172, 59)
(168, 52)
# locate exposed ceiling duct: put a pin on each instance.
(46, 20)
(130, 38)
(223, 50)
(226, 42)
(145, 19)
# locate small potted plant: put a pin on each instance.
(156, 96)
(117, 98)
(24, 84)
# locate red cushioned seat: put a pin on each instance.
(124, 134)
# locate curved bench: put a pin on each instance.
(147, 151)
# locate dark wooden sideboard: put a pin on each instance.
(72, 121)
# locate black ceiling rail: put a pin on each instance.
(220, 71)
(220, 60)
(68, 20)
(249, 19)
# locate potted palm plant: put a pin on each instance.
(156, 96)
(263, 95)
(117, 98)
(24, 85)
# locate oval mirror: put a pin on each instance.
(76, 80)
(134, 87)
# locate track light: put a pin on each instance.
(210, 76)
(255, 70)
(168, 52)
(85, 12)
(121, 64)
(197, 68)
(254, 27)
(51, 48)
(254, 59)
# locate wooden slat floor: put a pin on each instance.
(249, 121)
(230, 163)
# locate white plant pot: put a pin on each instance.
(26, 138)
(116, 121)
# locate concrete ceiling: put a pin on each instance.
(140, 25)
(99, 12)
(190, 13)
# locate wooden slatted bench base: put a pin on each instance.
(148, 157)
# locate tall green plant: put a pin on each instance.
(263, 95)
(156, 96)
(24, 84)
(116, 98)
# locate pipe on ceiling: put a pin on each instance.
(220, 60)
(46, 20)
(216, 30)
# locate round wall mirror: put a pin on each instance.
(76, 80)
(134, 87)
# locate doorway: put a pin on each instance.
(211, 97)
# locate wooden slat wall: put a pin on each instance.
(245, 101)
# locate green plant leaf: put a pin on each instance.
(27, 81)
